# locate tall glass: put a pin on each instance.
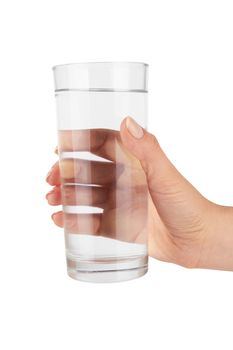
(104, 189)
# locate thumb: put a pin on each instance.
(168, 188)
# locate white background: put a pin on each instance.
(188, 45)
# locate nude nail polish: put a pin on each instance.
(134, 128)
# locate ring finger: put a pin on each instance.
(77, 195)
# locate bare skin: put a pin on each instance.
(184, 227)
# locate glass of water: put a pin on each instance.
(104, 189)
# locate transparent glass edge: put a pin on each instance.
(96, 63)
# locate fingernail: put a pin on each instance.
(52, 216)
(48, 194)
(134, 128)
(50, 171)
(48, 175)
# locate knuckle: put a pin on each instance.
(154, 141)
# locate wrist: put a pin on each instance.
(217, 245)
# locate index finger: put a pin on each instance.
(105, 143)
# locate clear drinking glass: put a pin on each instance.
(104, 189)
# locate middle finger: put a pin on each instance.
(84, 172)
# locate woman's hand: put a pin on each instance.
(184, 227)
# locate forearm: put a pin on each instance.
(217, 248)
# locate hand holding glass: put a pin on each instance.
(104, 189)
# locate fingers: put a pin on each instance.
(84, 172)
(78, 223)
(101, 142)
(78, 195)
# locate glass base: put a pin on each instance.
(107, 270)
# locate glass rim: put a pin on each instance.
(126, 63)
